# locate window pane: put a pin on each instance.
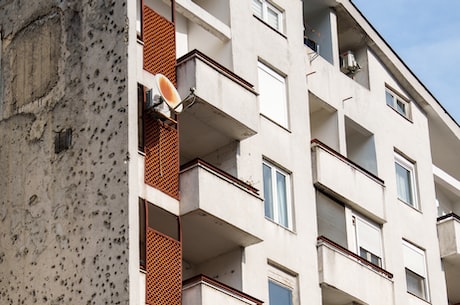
(142, 233)
(282, 199)
(404, 183)
(401, 107)
(389, 98)
(268, 191)
(279, 295)
(272, 18)
(257, 8)
(415, 284)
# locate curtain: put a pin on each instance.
(404, 183)
(282, 199)
(268, 191)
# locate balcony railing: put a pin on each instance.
(347, 181)
(337, 266)
(206, 291)
(211, 206)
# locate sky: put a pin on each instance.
(426, 36)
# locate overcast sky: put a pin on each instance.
(426, 35)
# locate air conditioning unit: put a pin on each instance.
(349, 65)
(311, 44)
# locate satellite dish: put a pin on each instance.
(163, 97)
(168, 93)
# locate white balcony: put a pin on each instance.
(202, 290)
(347, 181)
(225, 109)
(219, 212)
(345, 277)
(449, 246)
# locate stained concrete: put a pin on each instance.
(63, 217)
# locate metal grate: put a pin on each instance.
(159, 45)
(164, 270)
(161, 156)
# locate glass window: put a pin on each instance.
(415, 265)
(277, 195)
(278, 294)
(405, 180)
(397, 103)
(268, 13)
(272, 90)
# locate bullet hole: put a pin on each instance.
(33, 200)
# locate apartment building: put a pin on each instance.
(308, 164)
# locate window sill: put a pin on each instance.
(400, 114)
(410, 206)
(272, 28)
(276, 123)
(421, 299)
(280, 225)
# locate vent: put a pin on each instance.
(63, 140)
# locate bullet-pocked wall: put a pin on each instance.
(63, 195)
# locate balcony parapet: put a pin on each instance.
(336, 265)
(211, 206)
(216, 66)
(449, 237)
(218, 172)
(214, 292)
(225, 109)
(354, 256)
(347, 181)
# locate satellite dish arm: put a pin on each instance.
(191, 95)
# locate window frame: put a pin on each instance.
(359, 244)
(265, 6)
(425, 295)
(410, 166)
(274, 170)
(395, 100)
(278, 284)
(284, 278)
(265, 101)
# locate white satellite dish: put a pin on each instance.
(163, 97)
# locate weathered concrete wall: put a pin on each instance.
(63, 217)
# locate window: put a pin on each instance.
(140, 117)
(369, 240)
(282, 285)
(405, 180)
(267, 12)
(415, 265)
(279, 294)
(277, 195)
(272, 89)
(139, 10)
(155, 218)
(401, 105)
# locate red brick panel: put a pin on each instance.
(164, 270)
(159, 45)
(161, 156)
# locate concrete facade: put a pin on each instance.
(64, 225)
(349, 233)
